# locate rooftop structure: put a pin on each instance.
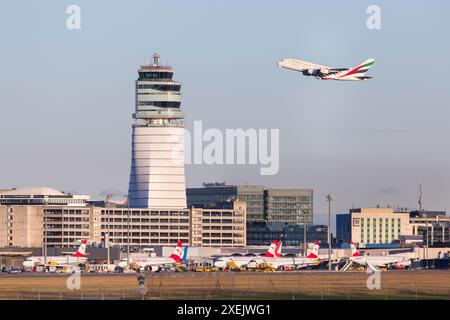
(40, 196)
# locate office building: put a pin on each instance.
(220, 195)
(386, 225)
(219, 227)
(290, 206)
(373, 225)
(291, 234)
(21, 226)
(22, 219)
(271, 213)
(433, 226)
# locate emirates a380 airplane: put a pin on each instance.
(328, 73)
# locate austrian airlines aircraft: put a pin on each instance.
(155, 263)
(328, 73)
(287, 263)
(240, 261)
(397, 261)
(77, 257)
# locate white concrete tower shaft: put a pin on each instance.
(157, 177)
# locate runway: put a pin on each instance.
(420, 284)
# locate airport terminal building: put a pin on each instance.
(23, 221)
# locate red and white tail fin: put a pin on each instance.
(177, 253)
(315, 251)
(271, 252)
(355, 252)
(278, 249)
(81, 250)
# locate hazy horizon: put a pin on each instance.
(68, 95)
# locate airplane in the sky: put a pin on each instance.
(328, 73)
(155, 263)
(274, 250)
(372, 262)
(77, 257)
(287, 263)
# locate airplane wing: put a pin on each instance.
(319, 70)
(372, 267)
(307, 65)
(338, 69)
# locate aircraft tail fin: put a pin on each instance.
(272, 249)
(361, 69)
(184, 257)
(314, 254)
(278, 249)
(177, 252)
(81, 250)
(355, 252)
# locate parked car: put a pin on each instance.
(12, 270)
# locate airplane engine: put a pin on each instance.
(309, 72)
(324, 71)
(154, 268)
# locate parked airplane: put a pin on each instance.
(155, 263)
(328, 73)
(396, 261)
(287, 263)
(274, 250)
(77, 257)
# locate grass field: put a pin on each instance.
(294, 285)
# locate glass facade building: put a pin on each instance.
(271, 213)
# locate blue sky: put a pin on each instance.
(67, 96)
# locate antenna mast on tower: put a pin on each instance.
(156, 58)
(420, 199)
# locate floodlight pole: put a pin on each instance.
(128, 230)
(107, 242)
(304, 234)
(329, 199)
(45, 234)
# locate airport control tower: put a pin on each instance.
(157, 158)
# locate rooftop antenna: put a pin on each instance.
(156, 58)
(420, 199)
